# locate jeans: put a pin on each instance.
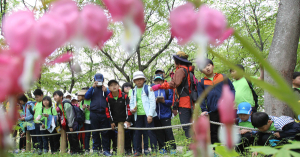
(100, 121)
(39, 138)
(74, 142)
(87, 137)
(45, 140)
(185, 115)
(141, 121)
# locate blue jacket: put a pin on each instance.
(29, 116)
(98, 102)
(163, 110)
(210, 103)
(148, 102)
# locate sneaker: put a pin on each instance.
(147, 152)
(128, 152)
(163, 151)
(106, 153)
(172, 152)
(137, 154)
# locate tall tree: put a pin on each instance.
(283, 51)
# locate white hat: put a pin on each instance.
(74, 98)
(138, 75)
(67, 94)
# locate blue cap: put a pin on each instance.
(244, 108)
(99, 77)
(158, 76)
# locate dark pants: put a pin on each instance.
(127, 140)
(145, 138)
(45, 140)
(185, 115)
(34, 139)
(22, 141)
(100, 121)
(74, 142)
(54, 142)
(214, 116)
(39, 138)
(164, 136)
(247, 140)
(87, 137)
(141, 121)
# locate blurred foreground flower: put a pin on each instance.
(230, 134)
(131, 14)
(202, 27)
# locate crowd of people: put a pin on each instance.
(146, 105)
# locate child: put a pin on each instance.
(244, 113)
(38, 94)
(85, 106)
(243, 88)
(164, 99)
(47, 111)
(97, 94)
(286, 125)
(210, 105)
(296, 80)
(142, 104)
(66, 112)
(118, 110)
(28, 118)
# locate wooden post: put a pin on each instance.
(121, 140)
(63, 141)
(28, 141)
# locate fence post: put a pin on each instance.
(121, 140)
(63, 141)
(28, 141)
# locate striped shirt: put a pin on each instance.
(280, 122)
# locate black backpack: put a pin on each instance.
(255, 97)
(79, 114)
(193, 86)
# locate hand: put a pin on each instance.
(43, 126)
(71, 129)
(28, 106)
(46, 115)
(276, 134)
(83, 106)
(151, 89)
(113, 125)
(95, 84)
(205, 113)
(175, 112)
(127, 123)
(22, 119)
(88, 107)
(243, 131)
(162, 100)
(23, 134)
(104, 89)
(254, 154)
(149, 119)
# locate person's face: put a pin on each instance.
(21, 102)
(38, 98)
(80, 97)
(208, 70)
(265, 127)
(114, 87)
(57, 98)
(74, 101)
(46, 103)
(158, 81)
(161, 73)
(235, 74)
(244, 117)
(139, 82)
(68, 97)
(296, 81)
(126, 89)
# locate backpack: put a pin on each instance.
(193, 86)
(145, 89)
(255, 97)
(79, 114)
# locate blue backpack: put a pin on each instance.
(145, 89)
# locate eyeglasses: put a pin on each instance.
(127, 87)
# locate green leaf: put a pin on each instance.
(224, 152)
(189, 154)
(295, 154)
(282, 153)
(263, 149)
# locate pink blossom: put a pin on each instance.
(94, 25)
(62, 58)
(183, 20)
(18, 30)
(227, 117)
(68, 12)
(50, 33)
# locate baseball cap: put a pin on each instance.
(244, 108)
(138, 75)
(159, 70)
(158, 76)
(99, 77)
(112, 81)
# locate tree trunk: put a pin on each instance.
(283, 52)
